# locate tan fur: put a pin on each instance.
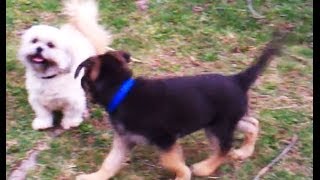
(250, 127)
(209, 165)
(173, 161)
(95, 70)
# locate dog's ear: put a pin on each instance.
(92, 66)
(122, 56)
(85, 64)
(24, 30)
(126, 56)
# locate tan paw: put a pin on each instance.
(185, 176)
(92, 176)
(241, 154)
(252, 121)
(202, 169)
(83, 177)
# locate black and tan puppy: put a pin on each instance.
(159, 111)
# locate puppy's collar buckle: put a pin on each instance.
(120, 94)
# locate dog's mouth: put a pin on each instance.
(37, 58)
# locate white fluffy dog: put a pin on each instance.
(51, 56)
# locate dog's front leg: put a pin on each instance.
(73, 114)
(250, 127)
(44, 117)
(113, 163)
(172, 159)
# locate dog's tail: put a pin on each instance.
(83, 14)
(247, 77)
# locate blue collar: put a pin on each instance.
(120, 94)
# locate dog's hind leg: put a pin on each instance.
(172, 159)
(113, 163)
(218, 156)
(250, 127)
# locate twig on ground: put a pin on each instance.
(233, 9)
(151, 165)
(254, 13)
(298, 58)
(133, 59)
(286, 107)
(21, 170)
(283, 153)
(213, 177)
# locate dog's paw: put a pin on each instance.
(69, 123)
(182, 178)
(201, 169)
(185, 176)
(93, 176)
(83, 177)
(38, 124)
(241, 154)
(252, 121)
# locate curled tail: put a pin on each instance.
(247, 77)
(83, 15)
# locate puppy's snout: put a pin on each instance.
(39, 49)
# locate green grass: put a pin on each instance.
(173, 39)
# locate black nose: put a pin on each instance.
(39, 49)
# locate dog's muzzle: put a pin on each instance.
(36, 58)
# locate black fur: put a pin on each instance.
(163, 110)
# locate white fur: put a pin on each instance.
(74, 42)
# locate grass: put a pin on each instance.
(173, 39)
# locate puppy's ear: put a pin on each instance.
(85, 64)
(92, 67)
(125, 55)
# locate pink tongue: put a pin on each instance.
(37, 59)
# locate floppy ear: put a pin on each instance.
(127, 56)
(124, 55)
(85, 64)
(23, 31)
(92, 66)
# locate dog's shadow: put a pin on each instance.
(56, 130)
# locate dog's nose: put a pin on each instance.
(39, 49)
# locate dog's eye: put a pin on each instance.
(50, 45)
(34, 40)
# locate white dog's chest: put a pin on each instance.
(53, 100)
(57, 93)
